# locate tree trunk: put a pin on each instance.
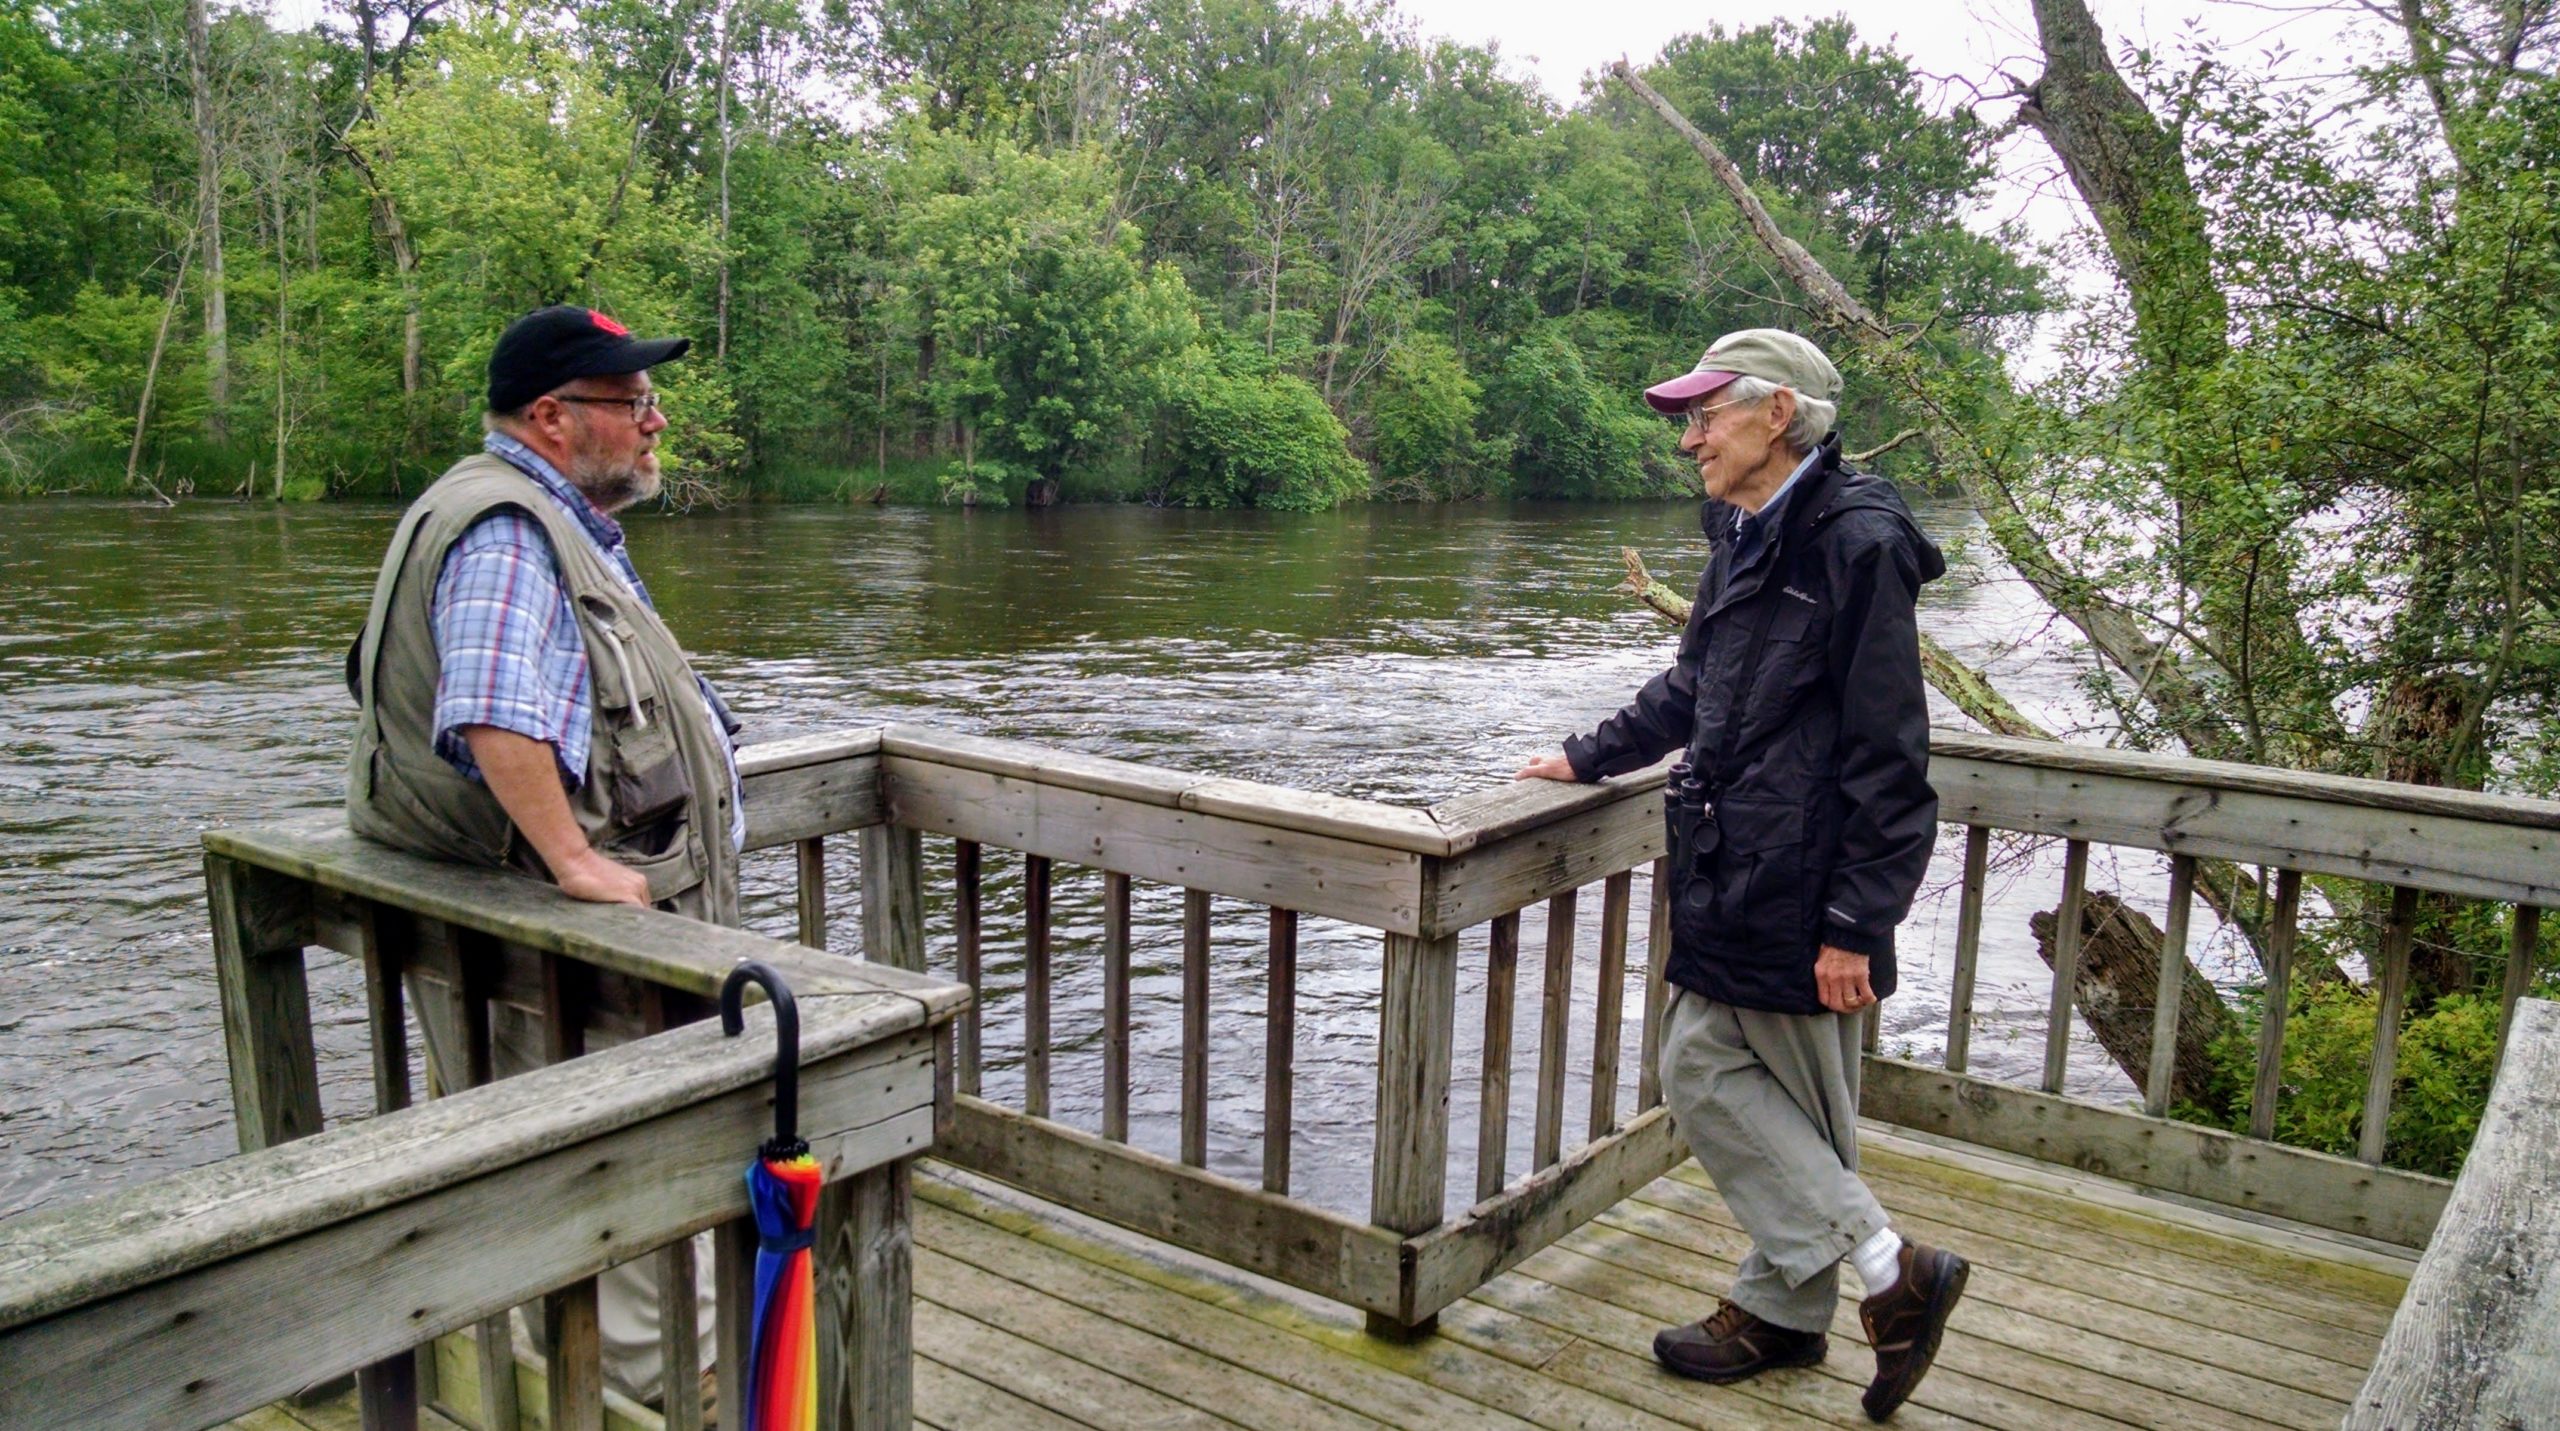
(151, 372)
(2118, 987)
(217, 323)
(284, 326)
(720, 348)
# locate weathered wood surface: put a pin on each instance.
(1977, 855)
(893, 897)
(2456, 842)
(219, 1289)
(1274, 807)
(646, 944)
(261, 923)
(1616, 894)
(2385, 1204)
(1115, 1006)
(864, 1261)
(2070, 1322)
(1314, 872)
(1493, 1081)
(2116, 989)
(810, 786)
(1456, 1257)
(1195, 1027)
(2476, 1344)
(1294, 1242)
(1279, 1050)
(2090, 1309)
(1555, 1019)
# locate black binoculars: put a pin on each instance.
(1689, 819)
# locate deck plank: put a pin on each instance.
(2083, 1315)
(2233, 1293)
(1614, 1236)
(1046, 1378)
(2085, 1373)
(2354, 1291)
(961, 1402)
(1226, 1388)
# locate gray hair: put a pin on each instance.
(1814, 417)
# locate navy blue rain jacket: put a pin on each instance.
(1823, 808)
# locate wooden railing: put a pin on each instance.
(517, 975)
(206, 1295)
(2475, 1345)
(1427, 880)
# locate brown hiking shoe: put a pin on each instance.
(1734, 1344)
(1904, 1320)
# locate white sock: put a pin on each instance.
(1878, 1260)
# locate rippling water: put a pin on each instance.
(168, 671)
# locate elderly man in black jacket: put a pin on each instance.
(1801, 821)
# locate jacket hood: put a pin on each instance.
(1855, 491)
(1864, 491)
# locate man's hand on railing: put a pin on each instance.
(591, 876)
(1547, 767)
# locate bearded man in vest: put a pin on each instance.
(523, 707)
(1799, 826)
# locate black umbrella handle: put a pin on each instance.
(786, 1025)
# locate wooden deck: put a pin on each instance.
(2090, 1306)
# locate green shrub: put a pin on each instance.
(2447, 1055)
(1422, 417)
(1239, 436)
(1575, 437)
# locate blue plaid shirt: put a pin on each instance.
(508, 647)
(1751, 529)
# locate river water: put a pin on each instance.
(170, 671)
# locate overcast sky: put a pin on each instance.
(1964, 46)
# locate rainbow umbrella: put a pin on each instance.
(782, 1185)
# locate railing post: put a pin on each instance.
(1115, 1006)
(1977, 859)
(2282, 928)
(261, 923)
(1279, 1051)
(2173, 983)
(893, 896)
(2066, 963)
(1409, 1171)
(2391, 990)
(1195, 1027)
(1657, 954)
(1493, 1098)
(2524, 934)
(809, 857)
(866, 1253)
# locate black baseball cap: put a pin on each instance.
(550, 346)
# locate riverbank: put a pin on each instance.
(175, 671)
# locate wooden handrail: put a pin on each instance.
(268, 1272)
(2472, 1345)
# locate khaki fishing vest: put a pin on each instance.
(656, 795)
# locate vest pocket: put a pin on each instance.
(650, 784)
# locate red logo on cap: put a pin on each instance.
(607, 324)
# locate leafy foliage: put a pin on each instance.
(1045, 209)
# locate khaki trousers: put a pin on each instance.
(1769, 1104)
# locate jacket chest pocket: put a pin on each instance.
(1792, 662)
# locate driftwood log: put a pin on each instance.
(2118, 985)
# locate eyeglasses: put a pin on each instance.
(639, 407)
(1700, 419)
